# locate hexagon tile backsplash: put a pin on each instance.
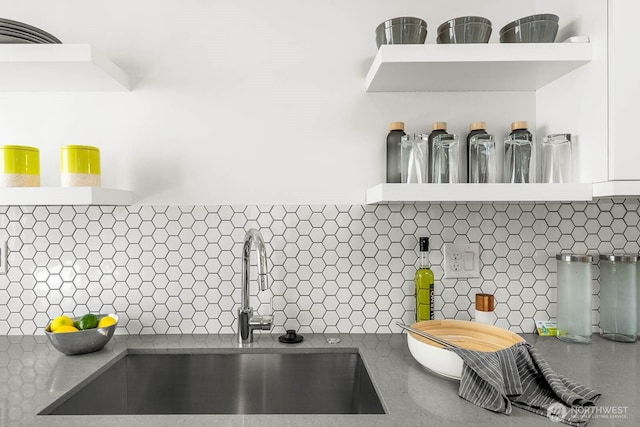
(170, 269)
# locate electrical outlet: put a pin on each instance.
(461, 260)
(4, 256)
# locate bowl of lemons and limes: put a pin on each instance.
(79, 335)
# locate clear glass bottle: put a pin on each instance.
(396, 132)
(556, 159)
(618, 297)
(437, 128)
(519, 155)
(484, 309)
(414, 157)
(475, 128)
(574, 297)
(482, 159)
(424, 283)
(446, 159)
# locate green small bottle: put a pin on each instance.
(424, 284)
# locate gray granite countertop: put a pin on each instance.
(33, 375)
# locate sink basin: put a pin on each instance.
(144, 382)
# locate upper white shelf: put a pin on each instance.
(473, 67)
(398, 193)
(40, 196)
(58, 68)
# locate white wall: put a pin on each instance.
(246, 102)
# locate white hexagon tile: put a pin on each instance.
(170, 269)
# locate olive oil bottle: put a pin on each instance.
(424, 284)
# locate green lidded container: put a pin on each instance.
(80, 166)
(20, 166)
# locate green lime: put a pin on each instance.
(88, 321)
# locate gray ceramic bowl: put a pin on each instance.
(531, 29)
(402, 30)
(466, 29)
(538, 17)
(81, 342)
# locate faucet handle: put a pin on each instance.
(263, 322)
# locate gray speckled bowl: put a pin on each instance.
(81, 342)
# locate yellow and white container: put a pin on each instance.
(20, 166)
(80, 166)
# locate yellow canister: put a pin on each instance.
(80, 166)
(20, 166)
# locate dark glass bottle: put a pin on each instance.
(396, 132)
(438, 128)
(475, 128)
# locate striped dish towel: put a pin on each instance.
(519, 376)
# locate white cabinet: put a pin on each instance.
(624, 92)
(60, 68)
(588, 90)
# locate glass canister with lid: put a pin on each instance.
(618, 297)
(19, 166)
(574, 297)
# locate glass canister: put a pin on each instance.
(556, 159)
(482, 159)
(574, 297)
(79, 166)
(414, 158)
(20, 166)
(618, 297)
(446, 159)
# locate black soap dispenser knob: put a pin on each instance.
(290, 337)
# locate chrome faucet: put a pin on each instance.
(247, 321)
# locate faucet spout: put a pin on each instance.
(247, 321)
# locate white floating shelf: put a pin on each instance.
(39, 196)
(473, 67)
(58, 68)
(399, 193)
(617, 189)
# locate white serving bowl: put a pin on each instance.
(470, 335)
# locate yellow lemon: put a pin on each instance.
(106, 321)
(59, 322)
(64, 329)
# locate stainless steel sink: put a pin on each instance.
(141, 382)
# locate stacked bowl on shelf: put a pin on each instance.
(540, 28)
(402, 30)
(14, 32)
(466, 29)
